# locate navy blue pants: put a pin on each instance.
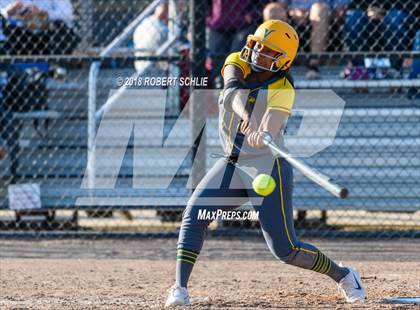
(227, 186)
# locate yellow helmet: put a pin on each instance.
(278, 36)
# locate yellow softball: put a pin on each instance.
(264, 184)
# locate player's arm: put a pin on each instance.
(235, 94)
(272, 122)
(280, 102)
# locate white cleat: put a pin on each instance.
(351, 286)
(178, 296)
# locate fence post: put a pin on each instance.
(174, 69)
(198, 12)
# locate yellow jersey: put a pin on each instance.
(276, 93)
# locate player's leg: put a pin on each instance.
(276, 218)
(219, 185)
(220, 189)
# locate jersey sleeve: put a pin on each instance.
(234, 59)
(281, 96)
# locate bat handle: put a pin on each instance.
(267, 138)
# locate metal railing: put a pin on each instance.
(93, 114)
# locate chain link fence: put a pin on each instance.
(82, 131)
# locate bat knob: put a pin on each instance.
(344, 193)
(267, 138)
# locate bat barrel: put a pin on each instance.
(315, 176)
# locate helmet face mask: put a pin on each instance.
(252, 53)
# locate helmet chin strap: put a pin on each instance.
(256, 69)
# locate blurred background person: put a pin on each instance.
(228, 24)
(275, 10)
(414, 93)
(313, 20)
(7, 130)
(38, 27)
(2, 153)
(379, 26)
(312, 17)
(30, 27)
(150, 34)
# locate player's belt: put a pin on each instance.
(233, 158)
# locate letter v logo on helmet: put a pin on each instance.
(267, 32)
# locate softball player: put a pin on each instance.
(257, 97)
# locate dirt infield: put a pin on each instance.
(230, 273)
